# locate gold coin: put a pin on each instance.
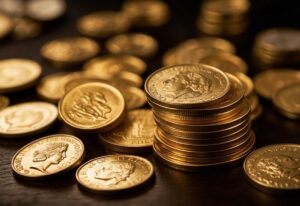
(102, 24)
(247, 83)
(71, 51)
(187, 85)
(18, 74)
(4, 102)
(92, 106)
(134, 135)
(6, 25)
(112, 64)
(48, 156)
(274, 168)
(13, 8)
(267, 83)
(25, 28)
(253, 101)
(136, 44)
(114, 173)
(169, 57)
(26, 119)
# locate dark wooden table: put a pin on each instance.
(170, 187)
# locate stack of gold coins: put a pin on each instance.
(277, 47)
(202, 117)
(223, 17)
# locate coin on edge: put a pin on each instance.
(26, 119)
(48, 156)
(93, 106)
(4, 102)
(114, 173)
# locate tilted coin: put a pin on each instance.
(136, 44)
(274, 168)
(25, 28)
(13, 8)
(4, 102)
(103, 24)
(18, 74)
(246, 82)
(48, 156)
(92, 107)
(6, 25)
(114, 173)
(134, 135)
(26, 119)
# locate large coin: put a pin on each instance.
(26, 119)
(274, 168)
(4, 102)
(48, 156)
(92, 106)
(6, 25)
(186, 86)
(114, 173)
(18, 74)
(133, 135)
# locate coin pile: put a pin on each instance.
(202, 117)
(223, 17)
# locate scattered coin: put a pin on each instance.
(4, 102)
(25, 28)
(13, 8)
(6, 25)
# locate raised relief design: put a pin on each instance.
(51, 154)
(114, 172)
(90, 106)
(186, 85)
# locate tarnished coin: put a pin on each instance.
(134, 135)
(18, 74)
(268, 82)
(274, 168)
(45, 10)
(25, 28)
(136, 44)
(26, 119)
(187, 85)
(48, 156)
(103, 24)
(246, 81)
(6, 25)
(92, 106)
(4, 102)
(69, 51)
(114, 173)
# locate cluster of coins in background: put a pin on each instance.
(207, 123)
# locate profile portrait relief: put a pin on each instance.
(186, 85)
(114, 172)
(51, 154)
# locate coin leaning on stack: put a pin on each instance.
(201, 115)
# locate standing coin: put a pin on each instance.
(6, 25)
(48, 156)
(4, 102)
(114, 173)
(26, 119)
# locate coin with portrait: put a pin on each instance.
(26, 119)
(48, 156)
(114, 173)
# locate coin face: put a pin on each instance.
(4, 102)
(18, 74)
(92, 106)
(114, 173)
(187, 85)
(48, 156)
(133, 135)
(5, 25)
(26, 118)
(274, 168)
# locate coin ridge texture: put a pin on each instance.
(50, 155)
(114, 173)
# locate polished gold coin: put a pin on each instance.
(114, 173)
(92, 106)
(4, 102)
(134, 135)
(26, 119)
(246, 82)
(187, 85)
(69, 51)
(103, 24)
(274, 168)
(25, 28)
(18, 74)
(48, 156)
(136, 44)
(6, 25)
(267, 83)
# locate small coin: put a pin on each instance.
(4, 102)
(45, 10)
(25, 28)
(93, 106)
(6, 25)
(48, 156)
(18, 74)
(114, 173)
(274, 168)
(26, 119)
(247, 83)
(136, 44)
(103, 24)
(134, 135)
